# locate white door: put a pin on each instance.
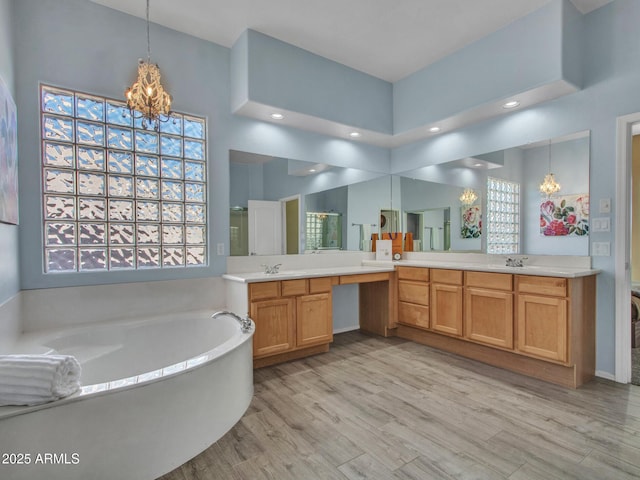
(265, 228)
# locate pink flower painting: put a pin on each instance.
(566, 215)
(471, 222)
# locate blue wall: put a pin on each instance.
(271, 72)
(84, 46)
(9, 269)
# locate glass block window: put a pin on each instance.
(116, 195)
(503, 216)
(314, 230)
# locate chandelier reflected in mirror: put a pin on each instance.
(549, 186)
(147, 98)
(468, 197)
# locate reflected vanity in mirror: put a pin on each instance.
(333, 208)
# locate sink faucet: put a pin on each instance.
(271, 269)
(516, 262)
(245, 322)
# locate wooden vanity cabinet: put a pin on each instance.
(413, 296)
(539, 326)
(293, 318)
(542, 317)
(488, 308)
(446, 301)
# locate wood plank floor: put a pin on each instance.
(385, 408)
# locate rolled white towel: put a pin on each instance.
(35, 379)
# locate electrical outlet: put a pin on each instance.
(600, 249)
(220, 249)
(601, 224)
(605, 205)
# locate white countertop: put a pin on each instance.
(540, 270)
(251, 277)
(375, 266)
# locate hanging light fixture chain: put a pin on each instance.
(148, 36)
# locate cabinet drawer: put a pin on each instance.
(493, 281)
(413, 273)
(414, 292)
(364, 278)
(322, 284)
(414, 315)
(556, 287)
(263, 290)
(452, 277)
(294, 287)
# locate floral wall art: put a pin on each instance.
(8, 157)
(471, 225)
(565, 215)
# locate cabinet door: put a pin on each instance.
(313, 322)
(414, 315)
(488, 317)
(542, 326)
(275, 328)
(446, 308)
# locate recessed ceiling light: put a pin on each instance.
(277, 116)
(354, 134)
(434, 129)
(312, 170)
(512, 104)
(477, 164)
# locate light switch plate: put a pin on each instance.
(605, 205)
(601, 224)
(600, 249)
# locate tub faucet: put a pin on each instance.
(271, 269)
(245, 323)
(516, 262)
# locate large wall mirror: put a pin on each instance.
(439, 216)
(284, 206)
(289, 206)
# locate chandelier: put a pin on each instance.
(146, 98)
(549, 186)
(468, 197)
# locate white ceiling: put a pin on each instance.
(389, 39)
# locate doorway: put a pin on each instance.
(622, 242)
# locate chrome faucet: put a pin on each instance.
(516, 262)
(245, 323)
(270, 270)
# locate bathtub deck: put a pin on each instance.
(385, 408)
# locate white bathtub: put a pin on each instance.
(155, 394)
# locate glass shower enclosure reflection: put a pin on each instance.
(323, 231)
(239, 231)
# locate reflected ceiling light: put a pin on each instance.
(146, 98)
(434, 129)
(468, 197)
(355, 134)
(277, 116)
(512, 104)
(477, 164)
(312, 170)
(549, 186)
